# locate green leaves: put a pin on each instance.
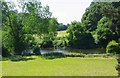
(113, 47)
(104, 32)
(78, 37)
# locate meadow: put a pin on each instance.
(69, 66)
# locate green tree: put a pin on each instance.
(53, 25)
(12, 27)
(78, 37)
(104, 33)
(19, 28)
(92, 15)
(113, 13)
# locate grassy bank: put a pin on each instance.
(69, 66)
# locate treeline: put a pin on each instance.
(99, 25)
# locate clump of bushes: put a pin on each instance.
(113, 47)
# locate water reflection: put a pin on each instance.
(85, 51)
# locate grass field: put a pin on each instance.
(62, 34)
(37, 66)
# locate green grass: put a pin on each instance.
(60, 67)
(62, 34)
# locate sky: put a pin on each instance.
(65, 11)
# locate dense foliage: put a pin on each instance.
(113, 47)
(102, 20)
(19, 28)
(100, 25)
(104, 33)
(78, 37)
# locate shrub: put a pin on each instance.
(5, 52)
(78, 37)
(75, 55)
(16, 58)
(47, 44)
(113, 47)
(37, 51)
(60, 42)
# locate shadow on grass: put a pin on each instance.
(18, 58)
(22, 59)
(53, 55)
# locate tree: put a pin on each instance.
(113, 13)
(12, 27)
(53, 25)
(92, 15)
(104, 33)
(19, 28)
(78, 37)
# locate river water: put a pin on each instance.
(85, 51)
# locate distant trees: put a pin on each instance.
(62, 27)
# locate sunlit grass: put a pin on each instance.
(61, 67)
(62, 34)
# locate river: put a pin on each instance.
(68, 50)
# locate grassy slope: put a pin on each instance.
(61, 67)
(62, 34)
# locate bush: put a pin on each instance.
(78, 37)
(61, 42)
(37, 51)
(113, 47)
(16, 58)
(5, 52)
(27, 52)
(47, 44)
